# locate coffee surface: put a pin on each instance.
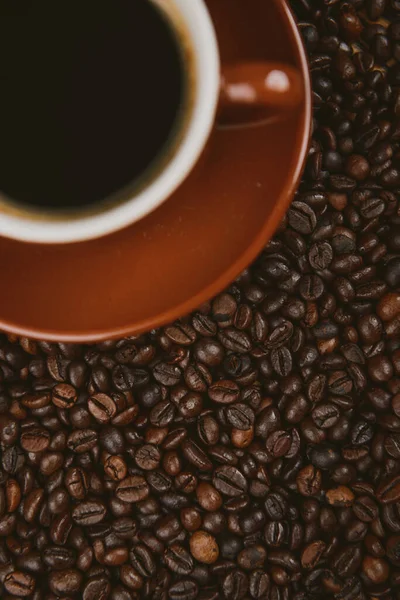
(90, 93)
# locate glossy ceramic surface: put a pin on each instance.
(198, 241)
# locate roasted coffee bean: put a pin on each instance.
(276, 506)
(224, 392)
(115, 467)
(320, 256)
(89, 513)
(196, 456)
(389, 490)
(309, 481)
(204, 547)
(209, 352)
(82, 440)
(229, 481)
(197, 377)
(12, 460)
(19, 584)
(279, 443)
(181, 334)
(365, 509)
(64, 395)
(281, 360)
(123, 378)
(340, 496)
(142, 560)
(302, 218)
(77, 482)
(204, 325)
(35, 439)
(208, 429)
(184, 589)
(58, 558)
(148, 457)
(325, 415)
(235, 585)
(133, 488)
(311, 287)
(259, 584)
(234, 340)
(65, 582)
(102, 407)
(178, 560)
(240, 416)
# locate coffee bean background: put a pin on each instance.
(250, 450)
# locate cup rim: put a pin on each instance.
(41, 229)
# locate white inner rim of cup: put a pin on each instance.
(197, 21)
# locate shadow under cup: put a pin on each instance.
(103, 115)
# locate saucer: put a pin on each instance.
(198, 241)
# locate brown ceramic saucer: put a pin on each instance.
(198, 241)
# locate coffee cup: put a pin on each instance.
(248, 93)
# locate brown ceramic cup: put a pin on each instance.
(189, 249)
(241, 93)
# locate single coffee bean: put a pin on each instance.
(132, 489)
(208, 497)
(375, 569)
(64, 396)
(365, 509)
(309, 481)
(276, 506)
(89, 513)
(115, 467)
(234, 340)
(184, 589)
(204, 547)
(235, 585)
(162, 414)
(35, 439)
(82, 440)
(102, 407)
(148, 457)
(165, 374)
(181, 334)
(240, 416)
(131, 578)
(312, 554)
(20, 584)
(58, 558)
(302, 218)
(196, 456)
(340, 496)
(12, 460)
(281, 360)
(389, 490)
(208, 429)
(229, 481)
(224, 392)
(178, 560)
(259, 584)
(77, 482)
(65, 582)
(142, 560)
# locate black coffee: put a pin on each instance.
(90, 93)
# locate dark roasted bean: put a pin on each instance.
(229, 481)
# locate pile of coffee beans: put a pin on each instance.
(252, 449)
